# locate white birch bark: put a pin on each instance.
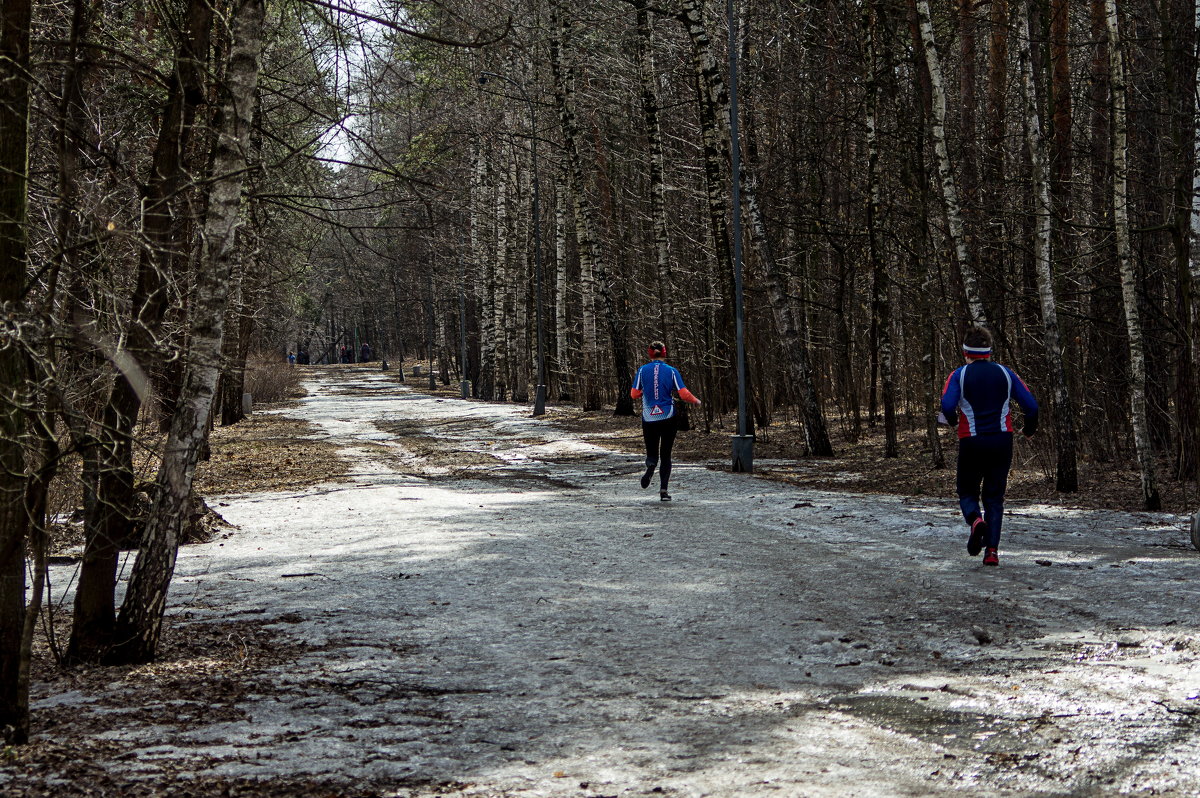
(562, 323)
(484, 270)
(584, 238)
(718, 145)
(1064, 409)
(501, 289)
(1120, 204)
(1195, 240)
(658, 192)
(950, 201)
(140, 622)
(522, 283)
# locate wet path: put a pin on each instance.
(496, 608)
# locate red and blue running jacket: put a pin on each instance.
(981, 393)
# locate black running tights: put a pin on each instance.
(660, 439)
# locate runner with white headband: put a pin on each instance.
(978, 397)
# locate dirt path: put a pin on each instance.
(491, 607)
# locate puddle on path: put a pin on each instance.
(925, 720)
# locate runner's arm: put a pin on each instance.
(688, 396)
(951, 393)
(1025, 399)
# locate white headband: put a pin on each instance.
(976, 351)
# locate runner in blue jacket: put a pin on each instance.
(654, 384)
(979, 397)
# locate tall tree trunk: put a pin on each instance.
(1067, 478)
(663, 277)
(503, 287)
(110, 523)
(589, 251)
(954, 222)
(881, 306)
(1180, 62)
(14, 523)
(1120, 210)
(563, 363)
(1191, 293)
(484, 268)
(715, 106)
(716, 157)
(563, 76)
(140, 622)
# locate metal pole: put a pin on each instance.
(462, 327)
(743, 444)
(539, 400)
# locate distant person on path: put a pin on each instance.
(365, 353)
(291, 358)
(653, 385)
(978, 396)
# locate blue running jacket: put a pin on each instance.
(980, 394)
(655, 381)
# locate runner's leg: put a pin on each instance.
(651, 434)
(968, 478)
(995, 483)
(668, 443)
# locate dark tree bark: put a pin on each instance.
(14, 523)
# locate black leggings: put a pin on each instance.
(660, 439)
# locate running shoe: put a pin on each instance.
(647, 476)
(979, 531)
(991, 558)
(663, 496)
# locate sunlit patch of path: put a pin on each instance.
(534, 622)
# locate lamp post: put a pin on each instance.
(743, 443)
(539, 400)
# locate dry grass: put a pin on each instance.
(266, 452)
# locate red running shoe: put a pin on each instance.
(979, 531)
(991, 558)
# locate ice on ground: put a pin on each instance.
(530, 626)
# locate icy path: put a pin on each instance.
(538, 625)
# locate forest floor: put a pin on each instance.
(425, 596)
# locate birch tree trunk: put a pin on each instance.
(1192, 295)
(591, 263)
(109, 523)
(15, 21)
(485, 280)
(562, 293)
(663, 277)
(1067, 478)
(715, 99)
(1120, 210)
(953, 212)
(522, 280)
(502, 288)
(140, 622)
